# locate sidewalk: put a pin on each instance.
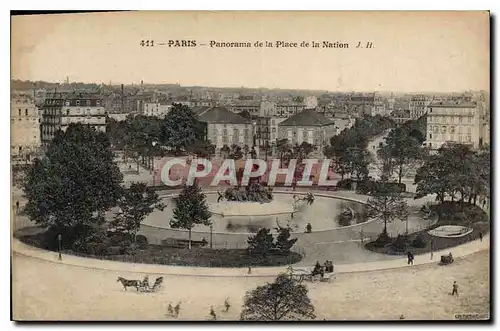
(29, 251)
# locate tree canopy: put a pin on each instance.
(75, 183)
(190, 209)
(284, 299)
(400, 151)
(180, 128)
(456, 171)
(136, 203)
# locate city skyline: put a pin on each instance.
(414, 57)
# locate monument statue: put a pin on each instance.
(254, 192)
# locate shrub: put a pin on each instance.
(419, 241)
(371, 186)
(460, 213)
(382, 239)
(141, 240)
(400, 243)
(345, 184)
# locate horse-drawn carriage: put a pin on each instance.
(446, 259)
(142, 286)
(315, 275)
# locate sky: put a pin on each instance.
(412, 51)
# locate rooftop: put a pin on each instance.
(219, 115)
(308, 117)
(453, 104)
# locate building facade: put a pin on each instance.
(60, 110)
(419, 105)
(449, 121)
(225, 127)
(308, 126)
(273, 127)
(156, 109)
(25, 127)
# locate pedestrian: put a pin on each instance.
(177, 309)
(409, 257)
(480, 236)
(17, 207)
(213, 314)
(455, 288)
(170, 309)
(412, 258)
(249, 270)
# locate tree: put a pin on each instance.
(225, 150)
(77, 181)
(236, 152)
(282, 148)
(136, 203)
(191, 209)
(402, 150)
(284, 299)
(261, 243)
(140, 134)
(246, 150)
(454, 171)
(180, 128)
(202, 148)
(283, 243)
(359, 160)
(387, 204)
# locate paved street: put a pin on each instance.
(47, 291)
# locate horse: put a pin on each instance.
(129, 283)
(158, 283)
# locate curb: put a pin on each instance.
(273, 274)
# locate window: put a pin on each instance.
(274, 129)
(430, 136)
(66, 103)
(452, 129)
(67, 112)
(19, 112)
(468, 130)
(430, 144)
(77, 102)
(26, 112)
(443, 129)
(88, 102)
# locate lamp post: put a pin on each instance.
(59, 239)
(153, 161)
(254, 135)
(211, 235)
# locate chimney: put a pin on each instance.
(123, 110)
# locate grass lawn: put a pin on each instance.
(449, 213)
(156, 254)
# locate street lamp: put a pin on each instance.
(211, 234)
(254, 126)
(152, 162)
(59, 239)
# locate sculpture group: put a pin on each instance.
(254, 192)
